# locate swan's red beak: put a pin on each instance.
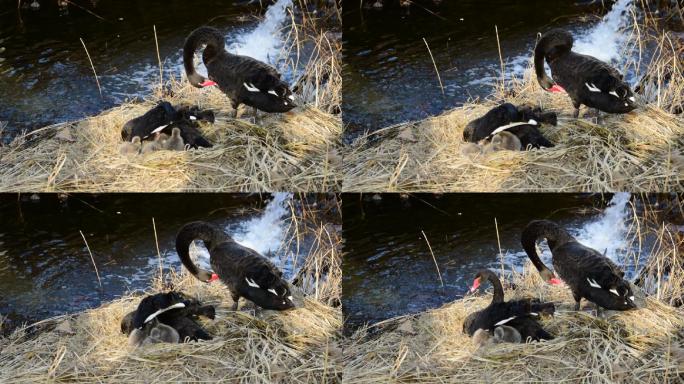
(208, 83)
(555, 281)
(476, 285)
(213, 277)
(556, 89)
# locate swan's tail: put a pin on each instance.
(543, 308)
(551, 45)
(197, 230)
(210, 36)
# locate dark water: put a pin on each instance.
(45, 76)
(45, 267)
(389, 270)
(389, 76)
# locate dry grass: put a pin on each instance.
(640, 151)
(296, 151)
(645, 345)
(250, 346)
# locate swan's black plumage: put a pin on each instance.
(165, 115)
(243, 79)
(142, 126)
(588, 273)
(519, 314)
(483, 127)
(243, 270)
(189, 131)
(586, 79)
(183, 319)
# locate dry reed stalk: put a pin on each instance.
(92, 66)
(92, 259)
(439, 78)
(439, 274)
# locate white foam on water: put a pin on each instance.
(265, 41)
(266, 232)
(609, 231)
(606, 40)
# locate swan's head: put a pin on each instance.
(476, 284)
(550, 277)
(482, 275)
(199, 81)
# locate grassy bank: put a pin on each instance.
(294, 151)
(645, 345)
(250, 345)
(639, 151)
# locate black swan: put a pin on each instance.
(586, 79)
(163, 118)
(244, 271)
(522, 121)
(519, 314)
(142, 126)
(156, 313)
(243, 79)
(588, 273)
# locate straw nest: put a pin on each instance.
(296, 151)
(285, 152)
(639, 151)
(645, 345)
(251, 345)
